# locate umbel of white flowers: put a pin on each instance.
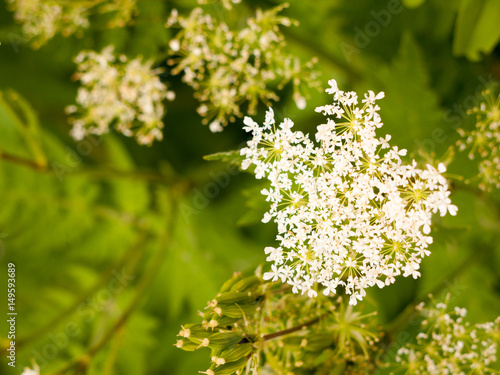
(42, 20)
(115, 91)
(484, 140)
(349, 212)
(447, 344)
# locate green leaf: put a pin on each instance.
(256, 206)
(62, 224)
(21, 123)
(410, 109)
(130, 195)
(476, 30)
(232, 157)
(138, 339)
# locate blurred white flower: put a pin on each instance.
(229, 68)
(117, 92)
(484, 141)
(43, 19)
(449, 345)
(349, 212)
(34, 371)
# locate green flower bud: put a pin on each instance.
(224, 321)
(246, 284)
(239, 310)
(236, 352)
(231, 367)
(229, 283)
(232, 297)
(223, 340)
(188, 330)
(186, 345)
(200, 338)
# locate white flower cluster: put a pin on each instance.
(349, 212)
(228, 68)
(117, 92)
(43, 19)
(448, 345)
(485, 140)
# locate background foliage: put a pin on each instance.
(116, 245)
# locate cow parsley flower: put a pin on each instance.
(447, 344)
(349, 212)
(230, 67)
(117, 92)
(43, 19)
(484, 140)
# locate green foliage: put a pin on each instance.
(232, 157)
(476, 30)
(410, 99)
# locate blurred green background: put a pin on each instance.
(117, 245)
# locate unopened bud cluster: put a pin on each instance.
(447, 344)
(349, 212)
(257, 326)
(484, 140)
(228, 68)
(117, 92)
(227, 325)
(43, 19)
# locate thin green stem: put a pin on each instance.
(149, 176)
(287, 331)
(24, 162)
(113, 354)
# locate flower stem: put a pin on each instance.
(293, 329)
(24, 162)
